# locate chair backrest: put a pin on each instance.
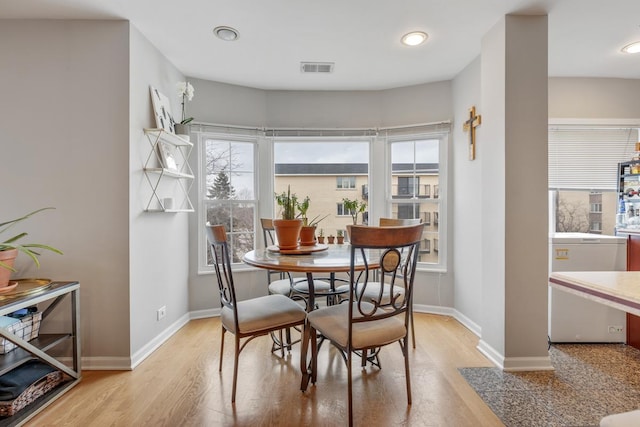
(393, 222)
(217, 237)
(395, 250)
(268, 231)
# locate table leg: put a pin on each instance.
(308, 369)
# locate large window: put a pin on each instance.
(392, 175)
(228, 190)
(583, 164)
(312, 167)
(415, 168)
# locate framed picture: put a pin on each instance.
(169, 156)
(162, 111)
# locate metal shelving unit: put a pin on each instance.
(168, 160)
(39, 348)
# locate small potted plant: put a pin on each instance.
(308, 231)
(10, 248)
(321, 236)
(288, 227)
(340, 237)
(331, 239)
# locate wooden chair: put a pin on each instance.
(369, 322)
(249, 318)
(373, 288)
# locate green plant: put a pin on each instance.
(321, 234)
(340, 233)
(354, 207)
(185, 91)
(288, 202)
(303, 207)
(25, 248)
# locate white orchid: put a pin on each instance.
(185, 91)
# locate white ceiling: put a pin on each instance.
(362, 37)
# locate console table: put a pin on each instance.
(40, 347)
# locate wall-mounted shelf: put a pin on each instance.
(168, 172)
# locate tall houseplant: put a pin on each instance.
(288, 227)
(10, 248)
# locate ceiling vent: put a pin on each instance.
(316, 67)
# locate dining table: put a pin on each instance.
(316, 259)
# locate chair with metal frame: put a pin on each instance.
(373, 287)
(369, 322)
(248, 318)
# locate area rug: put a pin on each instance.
(589, 382)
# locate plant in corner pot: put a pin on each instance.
(185, 92)
(288, 227)
(10, 248)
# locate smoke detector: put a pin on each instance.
(316, 67)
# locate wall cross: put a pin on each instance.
(470, 126)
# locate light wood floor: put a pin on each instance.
(179, 385)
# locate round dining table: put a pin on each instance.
(320, 258)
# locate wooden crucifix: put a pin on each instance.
(470, 126)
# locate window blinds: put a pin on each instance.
(587, 158)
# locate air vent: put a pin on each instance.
(316, 67)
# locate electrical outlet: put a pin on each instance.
(615, 329)
(162, 311)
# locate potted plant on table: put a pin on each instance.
(288, 227)
(308, 230)
(321, 236)
(10, 248)
(340, 237)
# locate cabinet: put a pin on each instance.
(41, 347)
(168, 172)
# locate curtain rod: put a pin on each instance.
(367, 129)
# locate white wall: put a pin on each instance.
(65, 143)
(594, 98)
(159, 242)
(466, 196)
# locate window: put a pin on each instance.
(416, 180)
(583, 161)
(329, 166)
(328, 170)
(227, 191)
(346, 182)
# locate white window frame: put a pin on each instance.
(245, 136)
(441, 132)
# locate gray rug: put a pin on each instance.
(589, 382)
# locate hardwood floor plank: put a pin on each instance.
(179, 385)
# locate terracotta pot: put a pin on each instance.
(7, 257)
(307, 235)
(331, 239)
(340, 240)
(287, 232)
(320, 239)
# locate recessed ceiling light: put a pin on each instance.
(226, 33)
(414, 38)
(632, 48)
